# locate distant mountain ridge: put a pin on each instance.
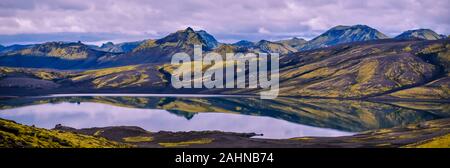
(344, 34)
(421, 34)
(14, 47)
(160, 50)
(243, 43)
(118, 48)
(59, 55)
(296, 43)
(209, 40)
(265, 46)
(62, 50)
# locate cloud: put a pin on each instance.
(89, 38)
(228, 20)
(263, 30)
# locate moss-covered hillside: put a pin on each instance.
(21, 136)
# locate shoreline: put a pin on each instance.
(119, 93)
(413, 135)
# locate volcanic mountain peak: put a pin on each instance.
(344, 34)
(189, 29)
(182, 39)
(209, 40)
(107, 44)
(422, 34)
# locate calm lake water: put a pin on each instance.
(278, 118)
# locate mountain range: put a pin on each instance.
(355, 62)
(76, 55)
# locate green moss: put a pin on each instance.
(434, 48)
(98, 133)
(36, 73)
(302, 138)
(17, 135)
(186, 143)
(438, 142)
(70, 53)
(138, 139)
(117, 77)
(107, 71)
(384, 145)
(407, 48)
(145, 45)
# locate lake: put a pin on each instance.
(277, 118)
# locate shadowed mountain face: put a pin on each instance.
(421, 34)
(344, 34)
(243, 43)
(209, 40)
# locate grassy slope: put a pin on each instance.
(19, 136)
(438, 142)
(436, 89)
(118, 77)
(364, 70)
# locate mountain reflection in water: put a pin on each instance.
(277, 118)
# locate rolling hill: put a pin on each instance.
(59, 55)
(420, 34)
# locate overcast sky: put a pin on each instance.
(95, 21)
